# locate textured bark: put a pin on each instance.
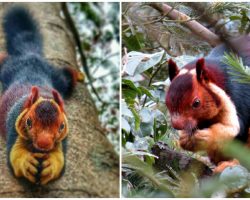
(92, 166)
(178, 161)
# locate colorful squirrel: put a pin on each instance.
(207, 106)
(32, 115)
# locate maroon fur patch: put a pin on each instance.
(179, 91)
(46, 112)
(213, 72)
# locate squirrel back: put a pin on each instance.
(21, 32)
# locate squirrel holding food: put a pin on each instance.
(32, 115)
(207, 106)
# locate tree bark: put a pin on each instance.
(92, 166)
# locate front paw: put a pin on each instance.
(26, 166)
(203, 139)
(186, 141)
(224, 164)
(52, 167)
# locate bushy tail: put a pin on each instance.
(21, 32)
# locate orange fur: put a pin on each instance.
(212, 139)
(77, 75)
(43, 138)
(215, 110)
(223, 165)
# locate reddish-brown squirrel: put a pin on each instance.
(32, 115)
(207, 106)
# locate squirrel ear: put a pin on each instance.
(58, 99)
(33, 97)
(201, 71)
(172, 69)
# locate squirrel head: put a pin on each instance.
(43, 121)
(190, 98)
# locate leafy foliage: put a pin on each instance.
(98, 26)
(240, 72)
(145, 120)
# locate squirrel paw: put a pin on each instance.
(203, 139)
(199, 140)
(186, 142)
(80, 76)
(27, 166)
(52, 167)
(224, 164)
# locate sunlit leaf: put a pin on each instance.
(125, 125)
(139, 62)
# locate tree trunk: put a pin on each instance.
(92, 166)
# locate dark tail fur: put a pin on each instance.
(21, 32)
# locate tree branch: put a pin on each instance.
(194, 26)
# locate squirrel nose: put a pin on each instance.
(181, 123)
(177, 122)
(44, 141)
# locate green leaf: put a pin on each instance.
(131, 42)
(235, 17)
(137, 118)
(239, 71)
(144, 169)
(146, 115)
(140, 62)
(125, 111)
(129, 83)
(129, 95)
(146, 91)
(237, 150)
(235, 177)
(150, 160)
(125, 125)
(146, 129)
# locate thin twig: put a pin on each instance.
(154, 74)
(100, 61)
(161, 18)
(78, 43)
(103, 76)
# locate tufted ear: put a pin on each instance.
(172, 69)
(33, 97)
(201, 70)
(58, 99)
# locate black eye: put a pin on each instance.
(196, 103)
(61, 127)
(29, 123)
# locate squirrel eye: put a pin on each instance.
(196, 103)
(61, 127)
(29, 123)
